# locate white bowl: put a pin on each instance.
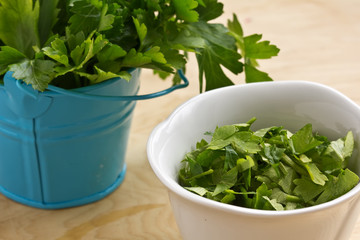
(291, 104)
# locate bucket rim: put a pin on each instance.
(85, 92)
(85, 89)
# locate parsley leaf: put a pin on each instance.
(184, 10)
(252, 49)
(338, 185)
(259, 50)
(18, 25)
(209, 10)
(89, 41)
(35, 72)
(88, 17)
(8, 56)
(58, 52)
(303, 140)
(269, 169)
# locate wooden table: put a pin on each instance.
(319, 41)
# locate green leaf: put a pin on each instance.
(307, 189)
(291, 163)
(198, 190)
(155, 55)
(286, 181)
(259, 50)
(99, 43)
(209, 10)
(273, 153)
(219, 44)
(348, 145)
(187, 42)
(201, 2)
(207, 157)
(106, 20)
(243, 143)
(228, 198)
(87, 49)
(219, 50)
(48, 17)
(235, 27)
(101, 75)
(79, 53)
(228, 134)
(259, 201)
(252, 50)
(184, 10)
(57, 51)
(194, 167)
(224, 132)
(244, 164)
(338, 185)
(274, 204)
(303, 140)
(329, 161)
(304, 159)
(201, 144)
(315, 174)
(74, 40)
(141, 30)
(261, 170)
(110, 53)
(337, 147)
(261, 132)
(135, 59)
(8, 56)
(154, 4)
(227, 181)
(252, 74)
(36, 72)
(231, 157)
(342, 148)
(18, 25)
(237, 32)
(88, 16)
(174, 58)
(273, 173)
(282, 197)
(214, 75)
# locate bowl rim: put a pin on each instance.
(173, 186)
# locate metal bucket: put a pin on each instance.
(63, 148)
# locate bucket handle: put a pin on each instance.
(185, 83)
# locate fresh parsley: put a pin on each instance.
(269, 169)
(75, 43)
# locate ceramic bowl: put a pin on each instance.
(291, 104)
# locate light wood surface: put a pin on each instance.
(319, 41)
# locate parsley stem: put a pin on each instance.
(210, 171)
(292, 198)
(286, 159)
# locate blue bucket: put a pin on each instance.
(63, 148)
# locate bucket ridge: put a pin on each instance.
(100, 124)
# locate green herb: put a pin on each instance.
(74, 43)
(251, 49)
(270, 169)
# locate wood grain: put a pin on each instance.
(318, 41)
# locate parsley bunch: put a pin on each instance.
(269, 169)
(74, 43)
